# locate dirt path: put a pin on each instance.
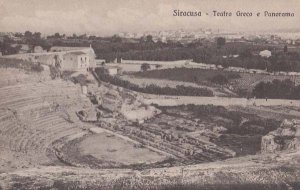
(163, 100)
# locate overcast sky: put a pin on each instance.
(107, 17)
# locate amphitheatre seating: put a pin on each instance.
(28, 123)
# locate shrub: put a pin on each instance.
(219, 79)
(277, 89)
(81, 79)
(180, 90)
(20, 64)
(145, 67)
(37, 67)
(233, 75)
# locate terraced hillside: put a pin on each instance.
(33, 114)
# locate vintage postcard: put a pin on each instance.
(149, 95)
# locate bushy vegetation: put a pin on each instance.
(237, 126)
(180, 90)
(211, 53)
(81, 79)
(67, 75)
(194, 75)
(277, 89)
(224, 79)
(145, 67)
(219, 79)
(20, 64)
(7, 49)
(289, 61)
(54, 72)
(37, 67)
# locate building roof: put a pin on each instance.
(76, 53)
(112, 67)
(265, 53)
(64, 48)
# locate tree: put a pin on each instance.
(28, 34)
(83, 36)
(37, 35)
(116, 39)
(221, 41)
(158, 66)
(149, 39)
(7, 49)
(19, 34)
(145, 66)
(92, 37)
(219, 79)
(285, 49)
(56, 35)
(246, 53)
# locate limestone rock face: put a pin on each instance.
(268, 144)
(286, 137)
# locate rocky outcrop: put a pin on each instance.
(286, 137)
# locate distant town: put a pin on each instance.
(182, 36)
(269, 51)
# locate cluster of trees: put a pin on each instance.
(144, 49)
(277, 89)
(20, 64)
(180, 90)
(7, 49)
(29, 38)
(170, 51)
(145, 67)
(35, 39)
(284, 61)
(219, 79)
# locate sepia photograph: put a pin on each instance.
(149, 95)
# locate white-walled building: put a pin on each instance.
(87, 50)
(112, 70)
(38, 49)
(75, 61)
(265, 53)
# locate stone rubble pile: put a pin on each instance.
(286, 137)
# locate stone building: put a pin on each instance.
(75, 61)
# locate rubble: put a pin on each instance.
(286, 137)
